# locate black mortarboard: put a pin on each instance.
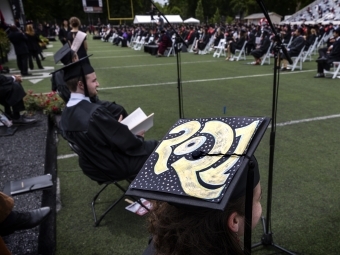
(202, 162)
(76, 69)
(64, 54)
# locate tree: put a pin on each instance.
(199, 12)
(241, 7)
(216, 18)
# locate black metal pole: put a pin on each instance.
(178, 40)
(267, 237)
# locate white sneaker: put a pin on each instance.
(232, 59)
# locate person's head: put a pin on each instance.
(186, 229)
(77, 84)
(29, 29)
(336, 33)
(75, 22)
(65, 23)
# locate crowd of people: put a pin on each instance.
(120, 154)
(256, 39)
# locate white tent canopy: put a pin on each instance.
(146, 19)
(192, 20)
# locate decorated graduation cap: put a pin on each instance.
(76, 69)
(203, 162)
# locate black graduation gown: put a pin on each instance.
(108, 147)
(10, 92)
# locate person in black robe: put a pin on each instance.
(63, 32)
(108, 148)
(11, 97)
(19, 41)
(294, 49)
(262, 48)
(332, 55)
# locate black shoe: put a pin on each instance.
(41, 67)
(23, 220)
(42, 58)
(27, 74)
(23, 121)
(319, 75)
(323, 59)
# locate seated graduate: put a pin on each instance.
(11, 97)
(202, 42)
(11, 221)
(333, 54)
(164, 42)
(108, 147)
(200, 196)
(294, 49)
(67, 56)
(236, 44)
(262, 48)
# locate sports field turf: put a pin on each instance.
(306, 188)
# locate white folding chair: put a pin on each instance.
(309, 52)
(207, 47)
(191, 47)
(267, 56)
(139, 45)
(171, 50)
(134, 42)
(297, 61)
(220, 49)
(241, 53)
(334, 73)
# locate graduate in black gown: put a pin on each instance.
(108, 147)
(11, 97)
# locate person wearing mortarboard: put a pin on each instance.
(66, 56)
(105, 143)
(203, 200)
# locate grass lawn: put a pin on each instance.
(306, 201)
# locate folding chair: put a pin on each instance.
(109, 181)
(171, 50)
(321, 40)
(207, 47)
(135, 42)
(267, 56)
(334, 73)
(242, 52)
(220, 49)
(139, 45)
(309, 52)
(297, 61)
(191, 47)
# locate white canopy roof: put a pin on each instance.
(192, 20)
(146, 19)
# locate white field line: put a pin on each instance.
(203, 80)
(287, 123)
(150, 65)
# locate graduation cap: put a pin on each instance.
(64, 54)
(79, 68)
(202, 163)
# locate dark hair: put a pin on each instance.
(73, 83)
(181, 230)
(74, 22)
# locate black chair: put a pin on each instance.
(109, 181)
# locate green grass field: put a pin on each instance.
(306, 200)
